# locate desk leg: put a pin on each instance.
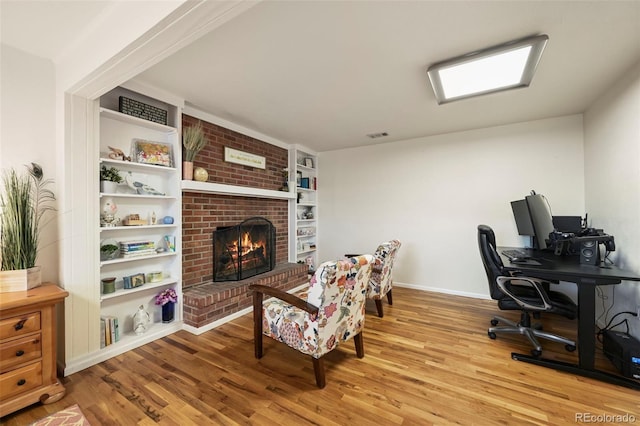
(587, 323)
(586, 343)
(577, 370)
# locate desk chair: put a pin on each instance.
(331, 313)
(517, 292)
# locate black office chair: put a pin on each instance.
(526, 294)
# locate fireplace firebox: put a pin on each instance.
(244, 250)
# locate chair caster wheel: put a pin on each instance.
(494, 322)
(492, 335)
(536, 353)
(570, 348)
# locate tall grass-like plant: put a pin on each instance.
(193, 141)
(23, 203)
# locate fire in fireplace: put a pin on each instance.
(243, 250)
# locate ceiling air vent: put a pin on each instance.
(378, 135)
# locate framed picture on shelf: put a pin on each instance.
(298, 178)
(308, 162)
(304, 183)
(149, 152)
(133, 281)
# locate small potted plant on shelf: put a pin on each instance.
(167, 298)
(193, 141)
(25, 199)
(109, 250)
(109, 179)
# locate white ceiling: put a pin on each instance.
(47, 28)
(325, 74)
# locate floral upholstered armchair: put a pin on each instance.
(381, 282)
(331, 313)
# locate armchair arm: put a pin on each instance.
(284, 296)
(538, 285)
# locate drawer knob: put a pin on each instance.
(20, 324)
(20, 352)
(21, 382)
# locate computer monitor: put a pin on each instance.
(533, 218)
(571, 224)
(522, 217)
(541, 218)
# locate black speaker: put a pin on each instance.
(589, 253)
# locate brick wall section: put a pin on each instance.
(212, 158)
(209, 302)
(202, 213)
(205, 301)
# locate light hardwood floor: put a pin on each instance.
(428, 361)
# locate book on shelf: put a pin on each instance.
(133, 246)
(138, 253)
(103, 329)
(110, 330)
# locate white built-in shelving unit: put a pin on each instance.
(118, 130)
(303, 221)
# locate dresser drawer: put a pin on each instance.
(19, 325)
(21, 380)
(20, 350)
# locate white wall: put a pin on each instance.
(432, 192)
(27, 133)
(612, 166)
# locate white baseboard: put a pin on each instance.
(442, 290)
(199, 330)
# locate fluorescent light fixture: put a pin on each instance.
(507, 66)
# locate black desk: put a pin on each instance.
(548, 266)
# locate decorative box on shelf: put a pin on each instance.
(134, 220)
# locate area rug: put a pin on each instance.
(70, 416)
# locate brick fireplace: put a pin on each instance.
(204, 300)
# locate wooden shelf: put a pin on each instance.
(240, 191)
(119, 195)
(124, 118)
(136, 258)
(147, 286)
(128, 228)
(140, 166)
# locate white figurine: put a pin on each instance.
(139, 187)
(108, 214)
(141, 321)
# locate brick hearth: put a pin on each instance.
(206, 303)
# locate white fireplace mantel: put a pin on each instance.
(234, 190)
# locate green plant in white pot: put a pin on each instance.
(193, 141)
(109, 179)
(23, 203)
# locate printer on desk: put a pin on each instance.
(585, 243)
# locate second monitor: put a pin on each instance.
(533, 218)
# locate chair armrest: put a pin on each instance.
(284, 296)
(538, 285)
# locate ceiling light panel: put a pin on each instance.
(507, 66)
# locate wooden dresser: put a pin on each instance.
(28, 347)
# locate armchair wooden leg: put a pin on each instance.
(389, 298)
(257, 323)
(379, 307)
(318, 369)
(357, 339)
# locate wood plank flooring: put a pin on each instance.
(428, 361)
